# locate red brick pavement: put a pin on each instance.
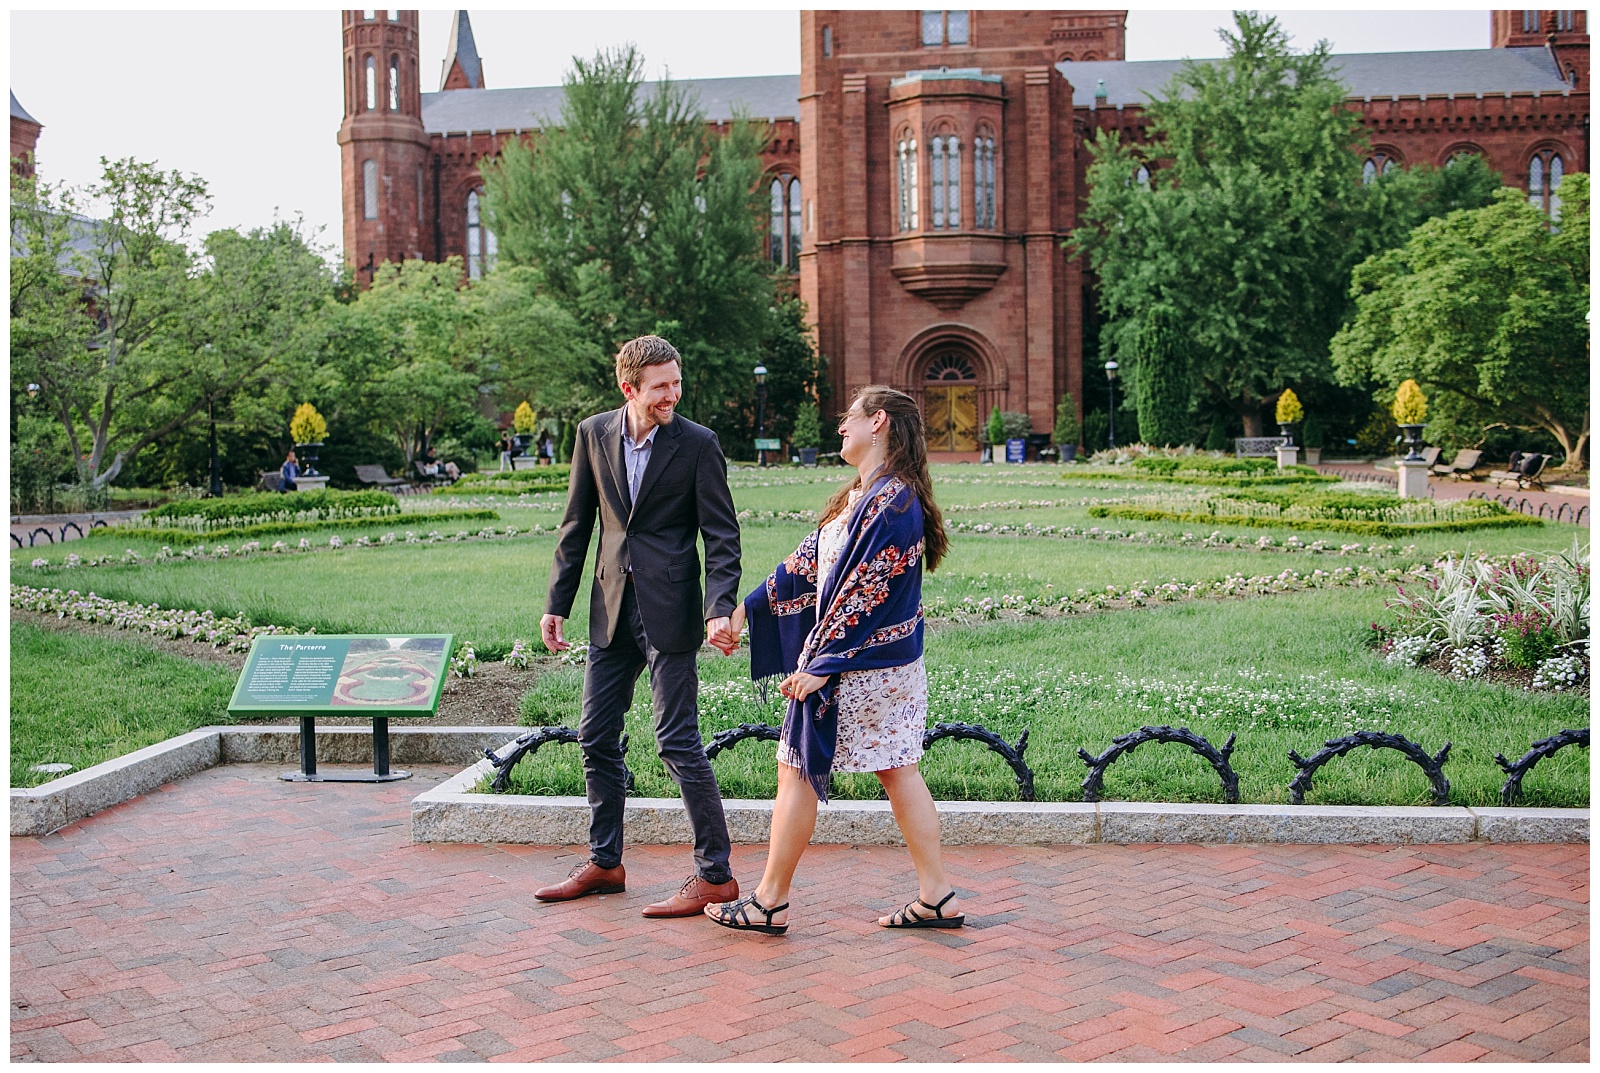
(233, 916)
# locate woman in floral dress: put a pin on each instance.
(841, 617)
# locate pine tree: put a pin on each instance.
(1162, 390)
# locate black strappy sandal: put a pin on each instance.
(736, 915)
(908, 917)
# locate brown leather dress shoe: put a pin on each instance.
(693, 897)
(586, 878)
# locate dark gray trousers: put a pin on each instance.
(608, 683)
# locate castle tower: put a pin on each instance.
(1563, 34)
(24, 139)
(384, 150)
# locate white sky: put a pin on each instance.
(251, 101)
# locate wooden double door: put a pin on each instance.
(950, 412)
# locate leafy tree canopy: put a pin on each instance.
(635, 218)
(1486, 310)
(1253, 216)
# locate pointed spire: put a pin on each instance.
(19, 112)
(462, 67)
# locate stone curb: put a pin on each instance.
(449, 813)
(41, 809)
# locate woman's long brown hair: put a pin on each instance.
(906, 458)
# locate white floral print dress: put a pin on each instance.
(882, 712)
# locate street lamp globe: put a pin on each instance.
(761, 374)
(1111, 414)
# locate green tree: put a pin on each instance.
(635, 218)
(794, 373)
(132, 264)
(406, 355)
(534, 349)
(1252, 219)
(1486, 309)
(1067, 428)
(1162, 392)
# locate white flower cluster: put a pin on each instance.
(219, 631)
(1144, 592)
(576, 656)
(1216, 539)
(1407, 651)
(464, 664)
(521, 654)
(1561, 673)
(199, 523)
(252, 547)
(1469, 662)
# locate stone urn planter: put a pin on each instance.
(1413, 438)
(808, 456)
(1069, 451)
(1313, 456)
(307, 454)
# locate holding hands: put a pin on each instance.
(723, 633)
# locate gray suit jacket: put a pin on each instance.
(684, 492)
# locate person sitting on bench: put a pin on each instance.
(290, 471)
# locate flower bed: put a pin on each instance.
(1396, 519)
(376, 520)
(220, 631)
(1522, 620)
(203, 515)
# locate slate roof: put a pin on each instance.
(458, 110)
(19, 112)
(1367, 74)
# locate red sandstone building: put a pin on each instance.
(926, 166)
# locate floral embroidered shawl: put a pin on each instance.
(871, 615)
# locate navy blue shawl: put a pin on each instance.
(871, 616)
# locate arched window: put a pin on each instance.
(783, 222)
(394, 83)
(950, 366)
(349, 84)
(419, 193)
(946, 182)
(1565, 20)
(776, 224)
(827, 42)
(1142, 176)
(983, 202)
(793, 260)
(482, 246)
(1545, 170)
(372, 84)
(1530, 22)
(936, 149)
(906, 181)
(369, 189)
(1377, 164)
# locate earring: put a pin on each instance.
(874, 439)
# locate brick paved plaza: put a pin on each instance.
(233, 916)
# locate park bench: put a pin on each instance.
(379, 476)
(1461, 468)
(272, 480)
(1430, 455)
(1525, 470)
(1258, 446)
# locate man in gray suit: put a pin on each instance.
(655, 480)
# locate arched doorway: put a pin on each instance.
(950, 400)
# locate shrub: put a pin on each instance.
(1289, 411)
(1014, 425)
(1096, 430)
(537, 475)
(995, 430)
(1311, 433)
(278, 528)
(1217, 438)
(1160, 385)
(328, 502)
(1363, 526)
(522, 420)
(1529, 639)
(307, 426)
(1067, 427)
(1410, 406)
(807, 426)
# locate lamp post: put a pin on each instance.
(33, 391)
(761, 411)
(1111, 386)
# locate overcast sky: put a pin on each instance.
(252, 101)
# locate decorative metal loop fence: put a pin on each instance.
(530, 742)
(35, 534)
(1432, 766)
(1576, 513)
(1012, 754)
(1541, 749)
(72, 525)
(1127, 743)
(727, 739)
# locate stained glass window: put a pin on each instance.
(369, 190)
(372, 84)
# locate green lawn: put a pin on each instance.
(81, 700)
(1283, 672)
(1286, 672)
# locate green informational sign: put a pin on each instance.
(769, 445)
(343, 674)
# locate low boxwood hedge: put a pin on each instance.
(1343, 525)
(422, 522)
(255, 504)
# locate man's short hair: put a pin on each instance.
(638, 353)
